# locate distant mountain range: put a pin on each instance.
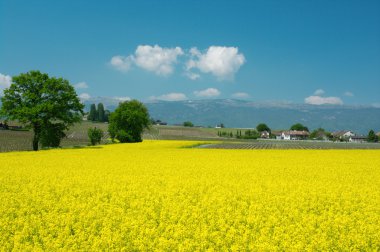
(247, 114)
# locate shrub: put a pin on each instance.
(95, 135)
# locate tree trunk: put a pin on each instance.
(36, 137)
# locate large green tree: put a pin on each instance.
(48, 105)
(128, 121)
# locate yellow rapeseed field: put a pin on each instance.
(157, 196)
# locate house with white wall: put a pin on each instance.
(294, 135)
(343, 134)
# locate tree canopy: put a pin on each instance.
(128, 121)
(299, 126)
(98, 114)
(93, 115)
(48, 105)
(188, 124)
(262, 127)
(372, 137)
(101, 112)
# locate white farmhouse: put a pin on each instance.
(294, 135)
(343, 134)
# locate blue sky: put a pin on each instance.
(318, 52)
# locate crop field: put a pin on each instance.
(179, 133)
(158, 195)
(22, 140)
(77, 135)
(281, 144)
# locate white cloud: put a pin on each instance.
(318, 100)
(121, 63)
(5, 81)
(84, 96)
(170, 97)
(157, 59)
(376, 105)
(125, 98)
(222, 62)
(151, 58)
(319, 92)
(192, 76)
(209, 92)
(348, 93)
(81, 85)
(240, 95)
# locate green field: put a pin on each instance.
(77, 136)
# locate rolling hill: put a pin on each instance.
(247, 114)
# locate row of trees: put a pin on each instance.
(49, 106)
(98, 114)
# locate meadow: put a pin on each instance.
(165, 195)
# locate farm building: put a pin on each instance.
(294, 135)
(265, 134)
(357, 139)
(277, 134)
(343, 134)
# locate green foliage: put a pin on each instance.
(319, 134)
(98, 114)
(188, 124)
(101, 112)
(299, 126)
(52, 134)
(40, 101)
(106, 115)
(128, 121)
(372, 137)
(93, 115)
(262, 127)
(124, 137)
(251, 134)
(95, 135)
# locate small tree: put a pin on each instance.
(101, 112)
(372, 137)
(48, 105)
(299, 126)
(188, 124)
(262, 127)
(95, 135)
(128, 121)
